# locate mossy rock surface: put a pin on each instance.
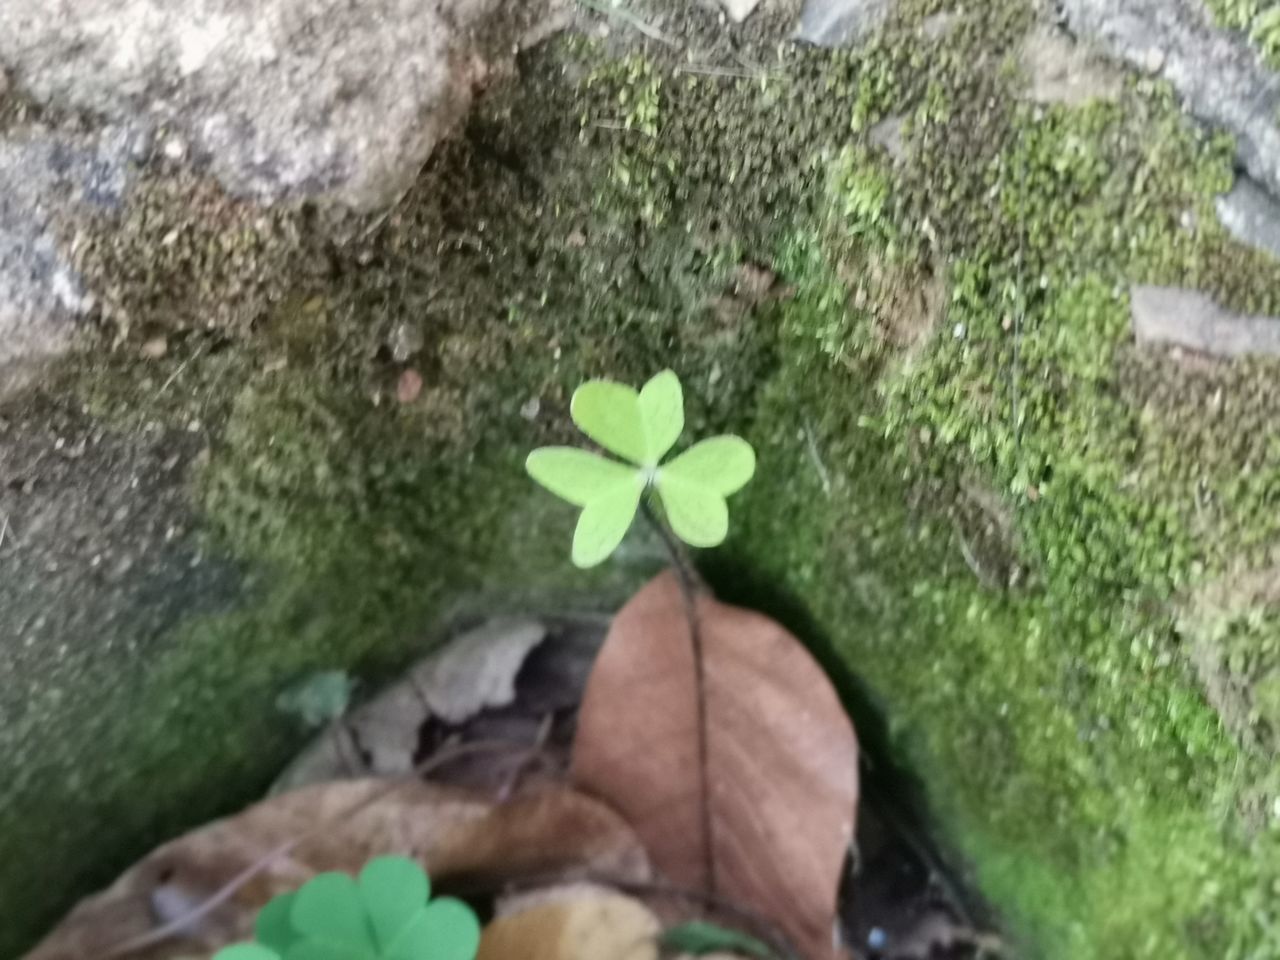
(994, 516)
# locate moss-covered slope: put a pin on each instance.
(1011, 525)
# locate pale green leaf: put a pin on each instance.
(395, 891)
(578, 476)
(609, 413)
(604, 522)
(329, 908)
(445, 930)
(662, 412)
(721, 464)
(246, 951)
(319, 698)
(274, 927)
(697, 514)
(327, 950)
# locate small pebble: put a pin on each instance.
(155, 348)
(409, 387)
(406, 342)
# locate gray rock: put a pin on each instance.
(834, 23)
(1190, 319)
(888, 136)
(1060, 70)
(739, 10)
(937, 26)
(1251, 215)
(1218, 74)
(281, 98)
(43, 176)
(99, 559)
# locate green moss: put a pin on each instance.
(1069, 753)
(1259, 19)
(990, 504)
(1065, 738)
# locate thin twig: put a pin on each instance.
(709, 70)
(938, 874)
(1020, 307)
(650, 31)
(4, 530)
(623, 127)
(340, 732)
(181, 367)
(690, 584)
(816, 457)
(184, 922)
(527, 758)
(970, 558)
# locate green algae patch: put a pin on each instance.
(993, 508)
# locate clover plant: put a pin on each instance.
(386, 914)
(318, 699)
(641, 427)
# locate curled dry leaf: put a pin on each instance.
(474, 671)
(583, 924)
(463, 839)
(478, 668)
(781, 758)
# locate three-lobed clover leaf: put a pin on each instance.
(641, 427)
(386, 914)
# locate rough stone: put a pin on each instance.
(43, 175)
(739, 10)
(99, 558)
(1251, 215)
(1190, 319)
(1217, 73)
(888, 135)
(287, 98)
(938, 25)
(834, 23)
(1060, 70)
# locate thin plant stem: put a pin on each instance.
(690, 582)
(690, 585)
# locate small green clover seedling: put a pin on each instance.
(318, 699)
(641, 427)
(385, 915)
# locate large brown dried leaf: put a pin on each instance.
(781, 755)
(461, 838)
